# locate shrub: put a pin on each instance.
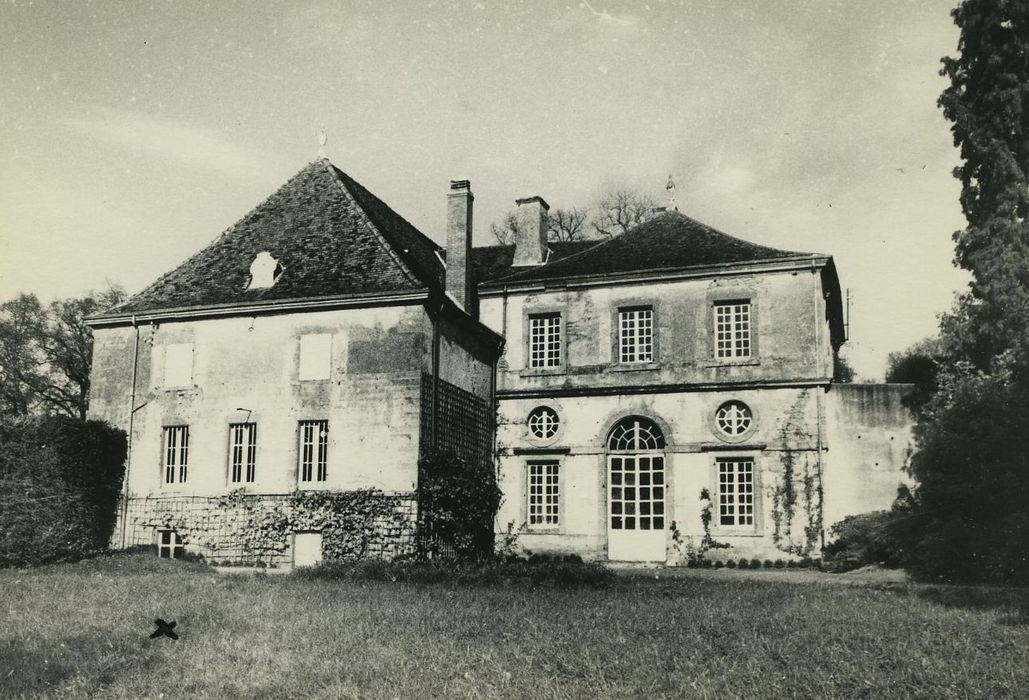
(719, 564)
(538, 570)
(60, 480)
(457, 502)
(780, 564)
(768, 564)
(744, 564)
(755, 563)
(731, 564)
(859, 540)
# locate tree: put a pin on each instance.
(965, 518)
(988, 104)
(620, 210)
(568, 224)
(841, 370)
(563, 225)
(46, 353)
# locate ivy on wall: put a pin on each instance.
(252, 528)
(798, 467)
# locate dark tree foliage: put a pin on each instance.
(60, 479)
(841, 370)
(988, 105)
(967, 518)
(46, 353)
(919, 365)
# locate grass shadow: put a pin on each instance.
(1010, 602)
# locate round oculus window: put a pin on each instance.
(543, 422)
(734, 418)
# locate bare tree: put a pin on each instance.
(620, 210)
(568, 224)
(506, 230)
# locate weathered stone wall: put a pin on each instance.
(785, 429)
(791, 334)
(225, 531)
(246, 369)
(870, 441)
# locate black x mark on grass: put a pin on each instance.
(165, 629)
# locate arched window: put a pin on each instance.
(636, 434)
(636, 497)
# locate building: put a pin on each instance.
(660, 395)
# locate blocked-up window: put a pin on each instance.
(242, 452)
(736, 492)
(314, 450)
(636, 335)
(544, 340)
(315, 356)
(544, 497)
(732, 329)
(176, 454)
(169, 544)
(178, 365)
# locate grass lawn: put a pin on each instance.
(82, 629)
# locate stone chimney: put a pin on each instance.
(531, 238)
(459, 243)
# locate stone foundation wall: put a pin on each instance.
(239, 529)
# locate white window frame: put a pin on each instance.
(734, 418)
(636, 335)
(169, 542)
(313, 451)
(543, 493)
(175, 446)
(736, 506)
(733, 329)
(178, 365)
(242, 453)
(315, 359)
(545, 349)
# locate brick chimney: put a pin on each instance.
(459, 243)
(531, 238)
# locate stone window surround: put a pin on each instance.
(725, 294)
(546, 442)
(541, 310)
(758, 528)
(545, 528)
(627, 304)
(712, 411)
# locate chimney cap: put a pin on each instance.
(460, 185)
(534, 198)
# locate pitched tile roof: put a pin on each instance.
(331, 236)
(668, 241)
(490, 262)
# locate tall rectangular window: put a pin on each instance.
(178, 365)
(242, 452)
(544, 340)
(732, 329)
(314, 450)
(636, 335)
(176, 454)
(736, 492)
(315, 356)
(544, 497)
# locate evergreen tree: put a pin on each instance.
(968, 516)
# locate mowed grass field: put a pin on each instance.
(82, 630)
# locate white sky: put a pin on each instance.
(132, 134)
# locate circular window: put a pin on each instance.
(543, 422)
(734, 418)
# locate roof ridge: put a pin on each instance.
(720, 232)
(334, 172)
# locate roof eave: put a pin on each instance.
(813, 261)
(280, 306)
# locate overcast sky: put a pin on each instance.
(134, 133)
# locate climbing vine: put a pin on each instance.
(797, 443)
(251, 528)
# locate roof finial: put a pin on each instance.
(670, 188)
(322, 140)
